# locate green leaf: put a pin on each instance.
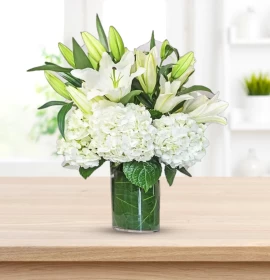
(136, 85)
(166, 69)
(52, 103)
(101, 34)
(168, 50)
(67, 54)
(145, 100)
(170, 174)
(184, 171)
(61, 117)
(177, 107)
(85, 173)
(195, 88)
(130, 96)
(155, 114)
(71, 79)
(152, 41)
(142, 174)
(80, 57)
(176, 53)
(57, 84)
(50, 67)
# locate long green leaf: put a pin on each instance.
(184, 171)
(195, 88)
(177, 107)
(166, 69)
(85, 173)
(170, 174)
(101, 34)
(50, 67)
(129, 96)
(52, 103)
(176, 53)
(67, 54)
(71, 79)
(61, 117)
(144, 99)
(152, 41)
(81, 59)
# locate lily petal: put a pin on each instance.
(192, 105)
(211, 119)
(89, 75)
(198, 111)
(167, 101)
(215, 108)
(139, 72)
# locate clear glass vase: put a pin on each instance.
(133, 209)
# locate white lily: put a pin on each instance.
(204, 110)
(168, 99)
(112, 80)
(149, 62)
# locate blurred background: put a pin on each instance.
(231, 41)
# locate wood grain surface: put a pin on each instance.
(69, 220)
(135, 271)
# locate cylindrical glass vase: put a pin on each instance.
(133, 209)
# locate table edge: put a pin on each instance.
(135, 254)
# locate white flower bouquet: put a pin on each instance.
(134, 109)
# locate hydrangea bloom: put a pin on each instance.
(179, 140)
(122, 133)
(75, 148)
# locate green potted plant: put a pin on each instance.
(258, 101)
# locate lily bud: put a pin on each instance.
(80, 100)
(57, 84)
(183, 66)
(162, 50)
(67, 54)
(165, 50)
(95, 48)
(116, 44)
(148, 79)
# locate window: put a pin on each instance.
(136, 19)
(27, 28)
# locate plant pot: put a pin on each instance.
(258, 109)
(133, 209)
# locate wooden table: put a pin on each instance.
(60, 228)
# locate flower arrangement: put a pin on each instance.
(132, 108)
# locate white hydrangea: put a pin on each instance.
(76, 148)
(122, 133)
(179, 140)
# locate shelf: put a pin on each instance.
(233, 40)
(245, 42)
(245, 126)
